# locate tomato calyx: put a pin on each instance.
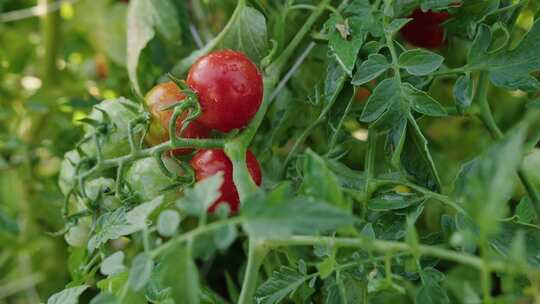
(174, 112)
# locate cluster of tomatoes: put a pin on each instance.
(229, 88)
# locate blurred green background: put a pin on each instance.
(53, 69)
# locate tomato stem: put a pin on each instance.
(394, 246)
(256, 254)
(486, 116)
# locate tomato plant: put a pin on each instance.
(229, 87)
(398, 142)
(208, 163)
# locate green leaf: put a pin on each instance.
(113, 264)
(393, 202)
(145, 18)
(105, 298)
(248, 34)
(426, 5)
(396, 25)
(68, 296)
(290, 215)
(463, 92)
(168, 222)
(139, 215)
(140, 272)
(225, 236)
(350, 180)
(118, 223)
(373, 67)
(420, 62)
(326, 267)
(185, 287)
(511, 69)
(199, 198)
(431, 293)
(344, 289)
(486, 183)
(110, 226)
(281, 283)
(345, 41)
(365, 14)
(535, 104)
(416, 157)
(386, 93)
(480, 44)
(504, 242)
(525, 211)
(117, 285)
(319, 182)
(518, 252)
(421, 102)
(334, 81)
(7, 224)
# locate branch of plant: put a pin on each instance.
(390, 45)
(277, 66)
(370, 164)
(486, 116)
(105, 164)
(192, 234)
(256, 254)
(394, 246)
(428, 193)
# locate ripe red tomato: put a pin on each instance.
(364, 92)
(207, 163)
(425, 29)
(230, 89)
(161, 96)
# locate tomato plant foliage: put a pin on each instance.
(325, 151)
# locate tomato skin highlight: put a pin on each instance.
(425, 29)
(230, 89)
(209, 162)
(161, 96)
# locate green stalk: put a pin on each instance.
(256, 254)
(390, 44)
(486, 116)
(370, 162)
(333, 140)
(485, 274)
(51, 37)
(386, 246)
(193, 234)
(236, 149)
(426, 192)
